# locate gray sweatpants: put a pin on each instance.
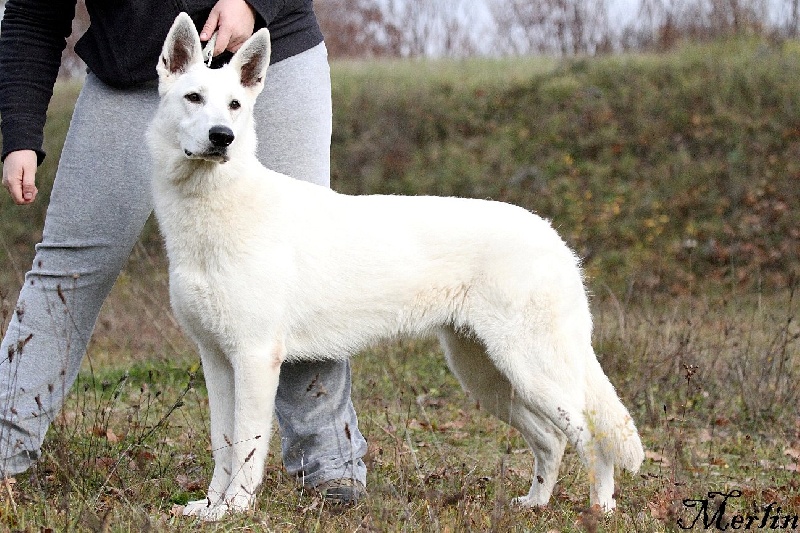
(100, 201)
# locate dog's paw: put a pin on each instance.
(607, 506)
(528, 501)
(205, 510)
(210, 511)
(194, 507)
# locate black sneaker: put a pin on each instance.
(343, 491)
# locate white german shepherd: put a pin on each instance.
(265, 269)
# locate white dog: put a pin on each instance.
(265, 269)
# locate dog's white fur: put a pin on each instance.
(265, 268)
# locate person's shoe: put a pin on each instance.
(343, 491)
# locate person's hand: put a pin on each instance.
(19, 176)
(234, 20)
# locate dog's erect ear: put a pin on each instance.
(181, 50)
(252, 60)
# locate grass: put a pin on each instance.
(681, 199)
(712, 384)
(640, 160)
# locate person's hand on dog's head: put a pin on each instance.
(233, 20)
(19, 176)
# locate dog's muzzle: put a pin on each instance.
(219, 138)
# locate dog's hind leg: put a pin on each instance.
(218, 374)
(468, 360)
(558, 393)
(601, 482)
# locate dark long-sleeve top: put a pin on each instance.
(121, 47)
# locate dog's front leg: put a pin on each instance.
(219, 380)
(256, 372)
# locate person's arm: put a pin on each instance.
(32, 39)
(33, 36)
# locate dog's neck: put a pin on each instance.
(192, 176)
(195, 177)
(207, 192)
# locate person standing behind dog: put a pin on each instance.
(101, 200)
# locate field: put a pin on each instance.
(674, 176)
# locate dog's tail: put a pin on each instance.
(610, 423)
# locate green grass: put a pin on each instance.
(673, 175)
(712, 384)
(660, 170)
(410, 75)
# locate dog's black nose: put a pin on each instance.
(220, 136)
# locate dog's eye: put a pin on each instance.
(194, 98)
(234, 105)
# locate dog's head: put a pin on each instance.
(207, 113)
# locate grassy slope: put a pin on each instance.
(673, 175)
(659, 169)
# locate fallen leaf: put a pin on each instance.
(109, 435)
(188, 484)
(454, 424)
(100, 463)
(112, 437)
(656, 457)
(415, 424)
(658, 510)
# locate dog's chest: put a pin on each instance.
(200, 301)
(223, 294)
